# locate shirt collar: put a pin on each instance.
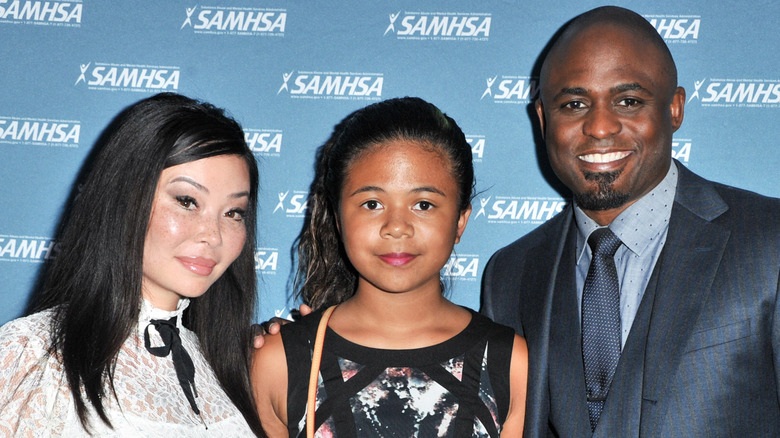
(149, 312)
(639, 224)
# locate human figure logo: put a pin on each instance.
(84, 68)
(189, 17)
(280, 205)
(393, 17)
(483, 202)
(286, 77)
(489, 89)
(697, 85)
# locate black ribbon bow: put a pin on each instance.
(182, 362)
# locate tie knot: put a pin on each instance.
(169, 335)
(604, 242)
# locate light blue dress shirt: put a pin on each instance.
(642, 228)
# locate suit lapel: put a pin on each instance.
(536, 330)
(690, 258)
(539, 272)
(568, 410)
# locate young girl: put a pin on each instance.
(391, 198)
(141, 327)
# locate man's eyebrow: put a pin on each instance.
(571, 91)
(633, 86)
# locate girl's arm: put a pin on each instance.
(518, 381)
(269, 384)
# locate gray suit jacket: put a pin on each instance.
(703, 356)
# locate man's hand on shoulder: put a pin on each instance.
(272, 326)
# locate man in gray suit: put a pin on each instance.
(698, 263)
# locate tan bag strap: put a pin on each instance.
(316, 358)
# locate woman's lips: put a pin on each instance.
(198, 265)
(397, 259)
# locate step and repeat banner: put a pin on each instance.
(290, 70)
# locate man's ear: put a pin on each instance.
(677, 108)
(540, 114)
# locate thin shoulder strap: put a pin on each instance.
(315, 371)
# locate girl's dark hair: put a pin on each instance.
(95, 280)
(324, 275)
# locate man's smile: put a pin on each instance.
(604, 158)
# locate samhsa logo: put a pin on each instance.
(63, 14)
(265, 142)
(511, 89)
(129, 77)
(740, 93)
(519, 210)
(440, 26)
(27, 249)
(676, 29)
(462, 267)
(681, 150)
(477, 143)
(321, 85)
(266, 260)
(236, 21)
(292, 203)
(40, 132)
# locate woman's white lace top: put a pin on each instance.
(35, 398)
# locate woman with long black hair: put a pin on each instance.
(141, 325)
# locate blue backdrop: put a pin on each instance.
(290, 70)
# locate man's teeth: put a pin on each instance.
(603, 158)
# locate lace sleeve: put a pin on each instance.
(31, 380)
